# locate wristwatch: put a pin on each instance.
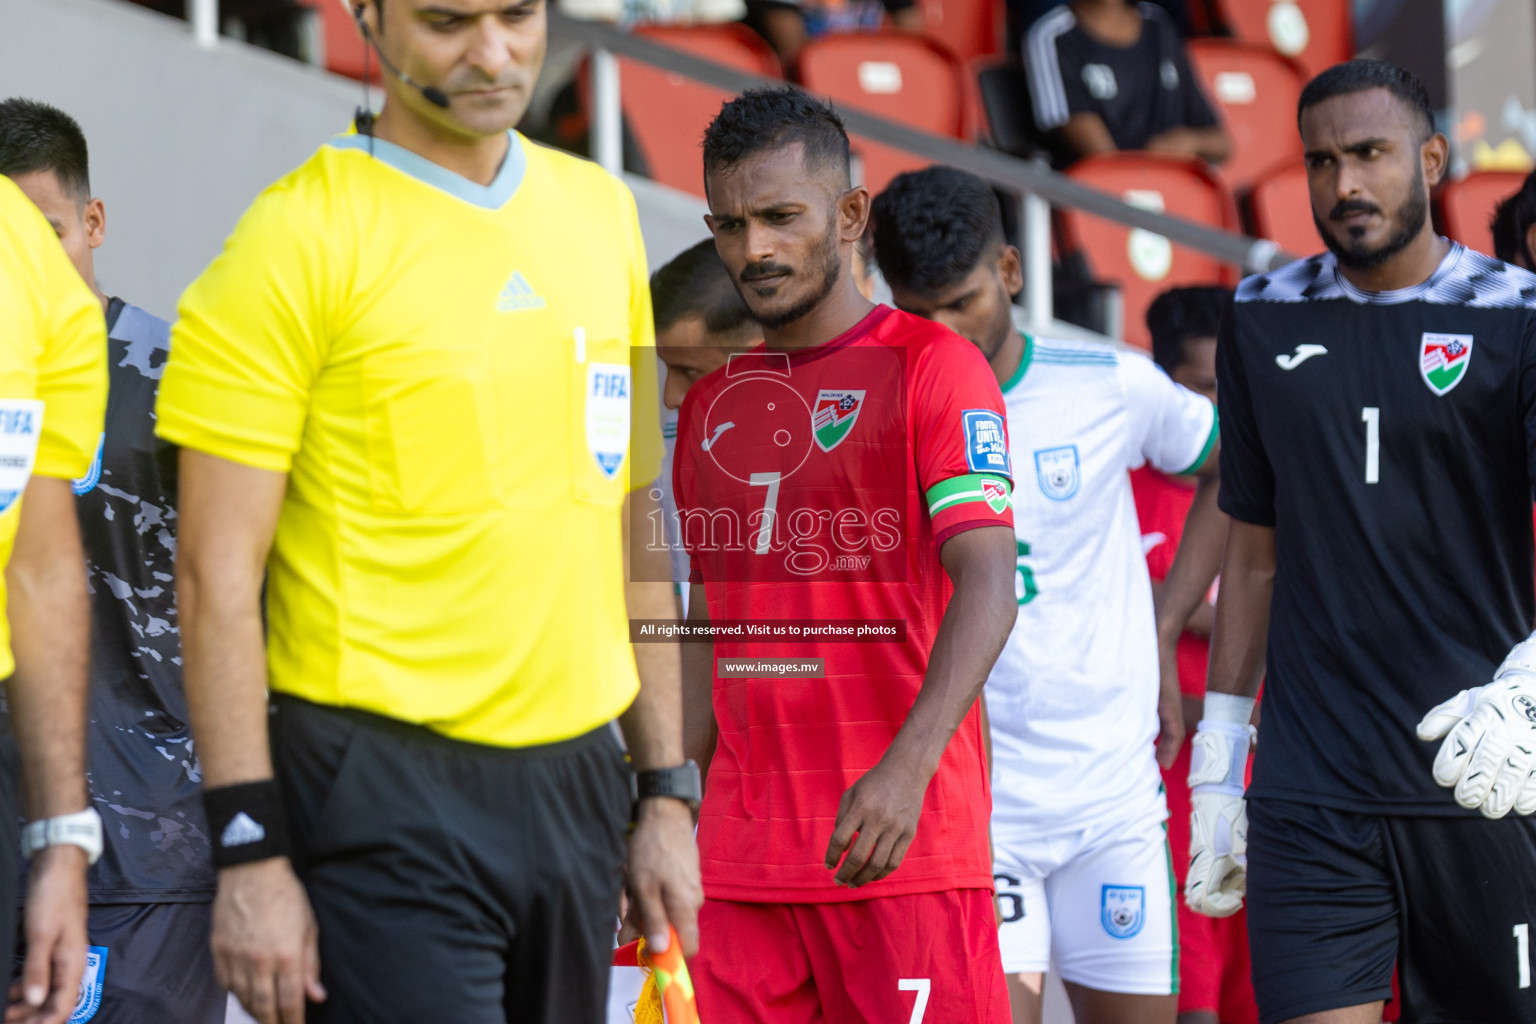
(680, 783)
(82, 829)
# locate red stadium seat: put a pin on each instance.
(894, 75)
(968, 28)
(1256, 91)
(1280, 209)
(1144, 264)
(345, 51)
(667, 113)
(1467, 205)
(1316, 33)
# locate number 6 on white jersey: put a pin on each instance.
(920, 1006)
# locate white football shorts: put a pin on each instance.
(1096, 902)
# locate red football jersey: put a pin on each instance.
(819, 485)
(1162, 505)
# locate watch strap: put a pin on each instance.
(82, 829)
(680, 783)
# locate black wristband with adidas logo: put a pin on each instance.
(246, 822)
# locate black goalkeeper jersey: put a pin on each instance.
(1389, 440)
(144, 774)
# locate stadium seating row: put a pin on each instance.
(1315, 33)
(923, 81)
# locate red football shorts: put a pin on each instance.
(928, 958)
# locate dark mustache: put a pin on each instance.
(758, 271)
(1346, 207)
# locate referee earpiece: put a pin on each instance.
(431, 93)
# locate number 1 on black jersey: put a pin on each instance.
(1372, 417)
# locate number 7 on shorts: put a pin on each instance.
(919, 1006)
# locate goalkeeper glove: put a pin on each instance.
(1218, 827)
(1489, 748)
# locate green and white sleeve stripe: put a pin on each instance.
(959, 490)
(1205, 452)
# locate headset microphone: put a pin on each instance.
(431, 93)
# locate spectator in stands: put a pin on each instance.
(1213, 952)
(667, 12)
(1107, 75)
(1514, 226)
(789, 24)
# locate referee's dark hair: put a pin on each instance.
(696, 284)
(933, 227)
(1180, 314)
(37, 137)
(1513, 219)
(1364, 73)
(760, 120)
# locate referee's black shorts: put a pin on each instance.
(1336, 898)
(453, 881)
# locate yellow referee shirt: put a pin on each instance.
(447, 372)
(53, 369)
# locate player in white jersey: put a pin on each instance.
(1081, 859)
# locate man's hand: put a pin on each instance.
(663, 874)
(265, 943)
(1489, 753)
(882, 809)
(1218, 827)
(55, 930)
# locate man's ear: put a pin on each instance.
(1436, 157)
(1010, 268)
(94, 217)
(853, 214)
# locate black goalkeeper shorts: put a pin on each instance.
(453, 881)
(1337, 898)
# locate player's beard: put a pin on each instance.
(1410, 221)
(828, 256)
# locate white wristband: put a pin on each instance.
(82, 829)
(1228, 707)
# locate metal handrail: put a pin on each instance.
(999, 169)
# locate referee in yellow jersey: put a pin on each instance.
(53, 398)
(403, 396)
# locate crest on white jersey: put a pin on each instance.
(1123, 910)
(1058, 471)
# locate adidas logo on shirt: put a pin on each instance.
(518, 296)
(242, 830)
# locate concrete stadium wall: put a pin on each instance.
(182, 138)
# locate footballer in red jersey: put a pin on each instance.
(849, 478)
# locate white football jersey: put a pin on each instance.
(1073, 697)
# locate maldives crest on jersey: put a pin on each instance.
(995, 494)
(833, 416)
(1443, 360)
(1122, 910)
